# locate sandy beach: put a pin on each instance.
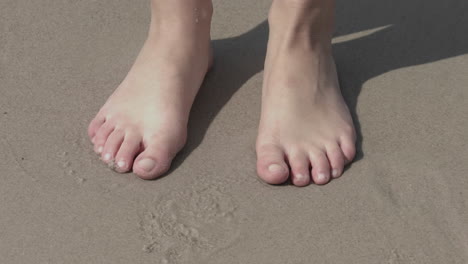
(403, 71)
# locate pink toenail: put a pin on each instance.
(92, 140)
(275, 168)
(107, 157)
(121, 164)
(147, 164)
(300, 177)
(335, 173)
(322, 177)
(99, 150)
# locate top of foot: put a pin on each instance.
(143, 124)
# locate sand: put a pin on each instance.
(403, 68)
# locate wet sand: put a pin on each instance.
(403, 71)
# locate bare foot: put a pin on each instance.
(305, 122)
(143, 124)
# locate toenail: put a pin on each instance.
(99, 150)
(300, 177)
(92, 140)
(107, 157)
(322, 176)
(275, 168)
(121, 164)
(335, 173)
(147, 164)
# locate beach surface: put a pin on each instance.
(403, 71)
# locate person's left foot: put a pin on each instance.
(305, 122)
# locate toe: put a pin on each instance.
(153, 162)
(130, 147)
(271, 166)
(335, 156)
(320, 167)
(101, 137)
(349, 148)
(300, 169)
(112, 146)
(94, 126)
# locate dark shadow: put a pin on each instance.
(236, 61)
(416, 32)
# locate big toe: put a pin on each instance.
(271, 166)
(153, 162)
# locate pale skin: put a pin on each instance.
(306, 132)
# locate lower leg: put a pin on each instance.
(305, 122)
(143, 123)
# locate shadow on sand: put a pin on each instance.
(411, 33)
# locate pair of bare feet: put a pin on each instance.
(306, 131)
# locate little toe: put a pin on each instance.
(94, 126)
(131, 146)
(320, 168)
(271, 166)
(153, 162)
(112, 145)
(348, 147)
(101, 137)
(300, 169)
(335, 156)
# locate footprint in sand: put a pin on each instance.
(67, 165)
(191, 224)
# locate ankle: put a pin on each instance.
(181, 16)
(311, 20)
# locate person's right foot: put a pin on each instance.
(143, 124)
